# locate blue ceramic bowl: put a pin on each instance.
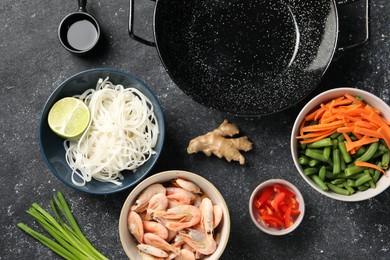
(51, 145)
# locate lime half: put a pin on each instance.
(69, 117)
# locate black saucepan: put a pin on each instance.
(247, 58)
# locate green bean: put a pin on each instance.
(382, 147)
(343, 150)
(321, 143)
(372, 184)
(335, 135)
(351, 183)
(343, 166)
(337, 189)
(337, 181)
(330, 176)
(315, 155)
(385, 160)
(313, 162)
(326, 152)
(341, 138)
(310, 170)
(336, 161)
(376, 176)
(377, 173)
(353, 138)
(322, 173)
(354, 176)
(302, 146)
(351, 170)
(363, 180)
(317, 180)
(360, 151)
(348, 188)
(377, 154)
(334, 143)
(363, 187)
(369, 152)
(303, 160)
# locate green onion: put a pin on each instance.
(67, 240)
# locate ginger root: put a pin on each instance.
(217, 143)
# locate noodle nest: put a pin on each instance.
(121, 136)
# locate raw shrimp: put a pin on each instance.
(143, 199)
(152, 250)
(179, 217)
(155, 228)
(134, 224)
(145, 256)
(157, 202)
(156, 241)
(200, 241)
(171, 235)
(218, 213)
(181, 195)
(187, 185)
(207, 219)
(189, 248)
(185, 254)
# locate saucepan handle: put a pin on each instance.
(131, 27)
(82, 6)
(366, 27)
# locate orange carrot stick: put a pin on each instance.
(369, 165)
(353, 99)
(367, 132)
(314, 115)
(365, 124)
(385, 132)
(374, 118)
(321, 127)
(365, 140)
(345, 129)
(312, 140)
(348, 139)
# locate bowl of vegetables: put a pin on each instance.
(276, 207)
(340, 144)
(101, 131)
(155, 220)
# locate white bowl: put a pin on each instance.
(368, 98)
(128, 241)
(255, 215)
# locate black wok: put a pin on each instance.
(247, 58)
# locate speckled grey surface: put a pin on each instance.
(33, 63)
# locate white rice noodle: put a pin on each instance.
(121, 136)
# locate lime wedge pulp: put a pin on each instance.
(69, 118)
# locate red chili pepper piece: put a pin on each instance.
(287, 217)
(265, 194)
(272, 218)
(279, 187)
(277, 200)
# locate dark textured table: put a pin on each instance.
(33, 64)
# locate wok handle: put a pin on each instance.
(131, 27)
(367, 28)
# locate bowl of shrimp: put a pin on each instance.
(174, 215)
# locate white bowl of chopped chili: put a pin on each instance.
(340, 144)
(276, 207)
